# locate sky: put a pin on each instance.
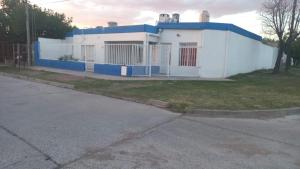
(92, 13)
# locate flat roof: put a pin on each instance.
(117, 29)
(177, 26)
(210, 26)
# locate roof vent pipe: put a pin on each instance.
(204, 17)
(112, 24)
(175, 18)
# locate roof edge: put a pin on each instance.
(155, 29)
(117, 29)
(210, 26)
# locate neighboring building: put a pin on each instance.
(203, 49)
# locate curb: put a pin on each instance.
(57, 84)
(251, 114)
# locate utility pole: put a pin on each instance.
(28, 35)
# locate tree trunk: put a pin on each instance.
(279, 57)
(288, 63)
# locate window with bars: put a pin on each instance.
(188, 54)
(124, 53)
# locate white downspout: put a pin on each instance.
(146, 46)
(227, 40)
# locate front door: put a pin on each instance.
(89, 52)
(165, 58)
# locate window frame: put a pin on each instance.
(188, 54)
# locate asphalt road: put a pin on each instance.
(45, 127)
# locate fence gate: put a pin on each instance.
(89, 53)
(159, 59)
(13, 53)
(6, 53)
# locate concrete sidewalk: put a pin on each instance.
(107, 77)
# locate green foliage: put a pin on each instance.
(294, 52)
(3, 23)
(43, 23)
(270, 42)
(67, 58)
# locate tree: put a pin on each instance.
(3, 26)
(294, 52)
(44, 23)
(270, 42)
(281, 18)
(294, 31)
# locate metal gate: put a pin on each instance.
(159, 59)
(89, 55)
(13, 53)
(6, 53)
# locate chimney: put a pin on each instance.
(204, 17)
(112, 24)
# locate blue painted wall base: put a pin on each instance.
(106, 69)
(115, 70)
(68, 65)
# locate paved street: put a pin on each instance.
(45, 127)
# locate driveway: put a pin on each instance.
(44, 127)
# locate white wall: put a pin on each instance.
(175, 37)
(53, 49)
(99, 40)
(246, 55)
(220, 53)
(212, 54)
(267, 57)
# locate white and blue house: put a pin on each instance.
(200, 49)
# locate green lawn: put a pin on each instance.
(259, 90)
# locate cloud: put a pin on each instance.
(98, 12)
(248, 20)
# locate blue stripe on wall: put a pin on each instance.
(68, 65)
(115, 70)
(106, 69)
(210, 26)
(118, 29)
(154, 29)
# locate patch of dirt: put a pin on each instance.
(129, 86)
(146, 156)
(248, 150)
(67, 78)
(142, 158)
(33, 73)
(297, 163)
(93, 150)
(103, 157)
(158, 103)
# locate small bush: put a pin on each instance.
(67, 58)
